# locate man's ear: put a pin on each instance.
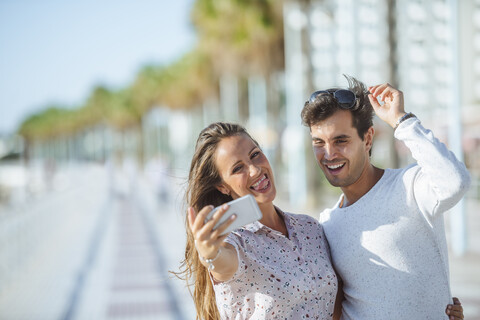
(368, 138)
(223, 189)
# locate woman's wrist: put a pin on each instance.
(209, 261)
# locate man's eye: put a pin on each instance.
(341, 141)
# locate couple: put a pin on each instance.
(386, 255)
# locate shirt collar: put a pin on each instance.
(290, 223)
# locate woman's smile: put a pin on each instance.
(262, 185)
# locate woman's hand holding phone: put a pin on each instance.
(214, 253)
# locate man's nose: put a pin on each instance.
(330, 152)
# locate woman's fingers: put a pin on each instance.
(200, 218)
(222, 238)
(191, 216)
(222, 227)
(217, 215)
(204, 227)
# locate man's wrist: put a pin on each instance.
(406, 116)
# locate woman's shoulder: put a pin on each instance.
(303, 219)
(302, 216)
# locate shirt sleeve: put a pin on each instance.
(234, 240)
(441, 179)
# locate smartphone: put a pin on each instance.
(246, 209)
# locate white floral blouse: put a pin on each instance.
(279, 277)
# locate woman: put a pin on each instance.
(275, 268)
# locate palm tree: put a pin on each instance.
(183, 84)
(47, 131)
(236, 37)
(242, 37)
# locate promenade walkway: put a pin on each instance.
(99, 248)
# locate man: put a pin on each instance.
(386, 232)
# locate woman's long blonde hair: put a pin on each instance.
(201, 191)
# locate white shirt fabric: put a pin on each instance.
(389, 247)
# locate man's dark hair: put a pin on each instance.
(325, 105)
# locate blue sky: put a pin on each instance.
(55, 52)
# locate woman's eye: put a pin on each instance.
(256, 153)
(236, 169)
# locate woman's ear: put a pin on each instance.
(223, 189)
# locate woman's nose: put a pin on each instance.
(254, 170)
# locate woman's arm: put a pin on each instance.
(337, 311)
(219, 257)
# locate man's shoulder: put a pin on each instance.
(402, 175)
(326, 214)
(393, 174)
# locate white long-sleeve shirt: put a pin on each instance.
(389, 247)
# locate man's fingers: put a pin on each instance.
(456, 314)
(379, 89)
(456, 301)
(455, 311)
(389, 92)
(383, 91)
(374, 101)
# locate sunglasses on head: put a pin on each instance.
(345, 98)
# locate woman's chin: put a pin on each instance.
(266, 197)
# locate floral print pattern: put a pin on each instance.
(279, 277)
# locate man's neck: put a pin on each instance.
(367, 180)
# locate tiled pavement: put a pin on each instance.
(137, 284)
(99, 255)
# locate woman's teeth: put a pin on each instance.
(258, 182)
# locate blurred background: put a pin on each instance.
(101, 104)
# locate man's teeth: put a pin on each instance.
(258, 182)
(335, 166)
